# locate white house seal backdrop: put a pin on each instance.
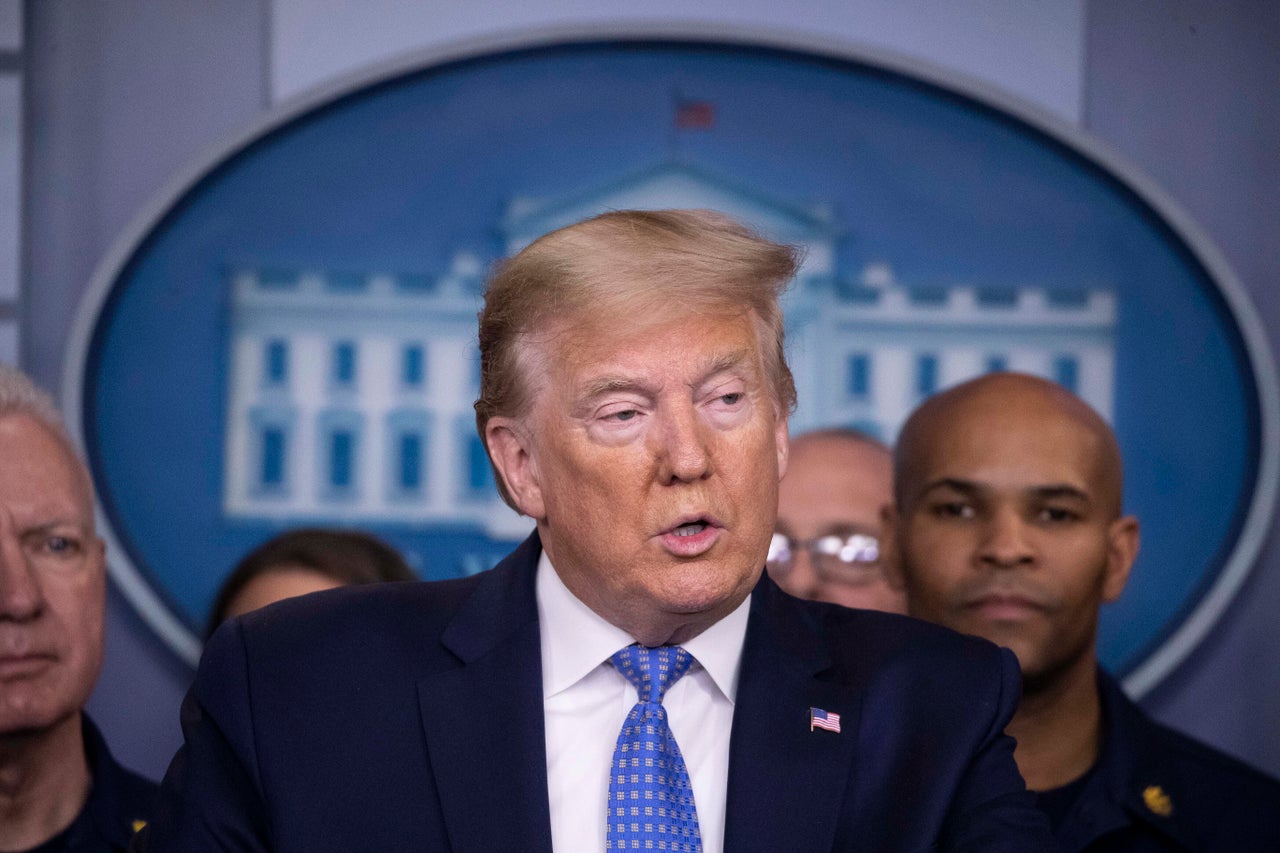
(288, 337)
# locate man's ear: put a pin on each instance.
(782, 438)
(1122, 549)
(510, 448)
(890, 558)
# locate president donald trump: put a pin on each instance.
(626, 679)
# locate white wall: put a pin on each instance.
(1033, 49)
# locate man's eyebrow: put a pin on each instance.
(956, 484)
(609, 384)
(602, 385)
(59, 523)
(848, 528)
(1060, 491)
(1048, 491)
(724, 363)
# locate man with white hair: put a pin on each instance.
(60, 789)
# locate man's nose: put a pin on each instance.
(1005, 541)
(20, 595)
(682, 446)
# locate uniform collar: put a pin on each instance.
(109, 806)
(1133, 781)
(1145, 780)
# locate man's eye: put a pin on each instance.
(60, 545)
(624, 415)
(1057, 515)
(953, 509)
(731, 399)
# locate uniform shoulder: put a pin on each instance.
(1158, 746)
(1207, 767)
(1209, 799)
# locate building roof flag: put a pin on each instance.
(695, 115)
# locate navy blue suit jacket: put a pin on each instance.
(410, 717)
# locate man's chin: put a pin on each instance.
(1011, 634)
(18, 723)
(710, 605)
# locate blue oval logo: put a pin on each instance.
(290, 337)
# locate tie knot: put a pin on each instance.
(652, 671)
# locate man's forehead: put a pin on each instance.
(843, 452)
(623, 374)
(1005, 448)
(1008, 456)
(592, 350)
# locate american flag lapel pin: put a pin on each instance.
(820, 719)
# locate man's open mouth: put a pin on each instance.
(690, 528)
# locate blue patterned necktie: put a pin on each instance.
(650, 798)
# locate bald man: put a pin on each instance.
(1007, 524)
(826, 542)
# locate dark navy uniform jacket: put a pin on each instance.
(1156, 790)
(119, 803)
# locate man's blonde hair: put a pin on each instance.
(629, 264)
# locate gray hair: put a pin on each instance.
(20, 396)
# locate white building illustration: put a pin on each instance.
(350, 394)
(866, 355)
(350, 400)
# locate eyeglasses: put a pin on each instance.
(844, 558)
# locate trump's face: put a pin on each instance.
(51, 581)
(650, 460)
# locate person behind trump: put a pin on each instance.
(626, 679)
(60, 787)
(302, 561)
(827, 542)
(1007, 523)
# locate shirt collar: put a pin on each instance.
(576, 639)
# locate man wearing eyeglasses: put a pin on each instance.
(826, 543)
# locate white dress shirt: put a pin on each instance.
(586, 701)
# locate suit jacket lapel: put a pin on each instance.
(786, 781)
(483, 720)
